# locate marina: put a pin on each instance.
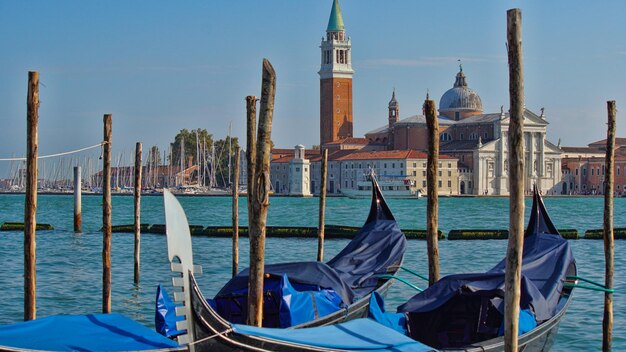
(69, 264)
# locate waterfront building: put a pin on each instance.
(335, 80)
(583, 168)
(299, 175)
(478, 140)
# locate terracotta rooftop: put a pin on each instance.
(618, 142)
(389, 154)
(349, 140)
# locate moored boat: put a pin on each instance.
(464, 312)
(393, 186)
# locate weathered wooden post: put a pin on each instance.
(137, 208)
(235, 189)
(432, 206)
(322, 211)
(250, 151)
(609, 245)
(516, 181)
(78, 218)
(30, 211)
(260, 200)
(106, 217)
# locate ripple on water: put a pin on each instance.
(69, 265)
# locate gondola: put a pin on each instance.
(464, 312)
(323, 293)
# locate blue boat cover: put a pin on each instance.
(356, 335)
(466, 308)
(396, 321)
(92, 332)
(351, 274)
(165, 317)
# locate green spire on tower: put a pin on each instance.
(335, 23)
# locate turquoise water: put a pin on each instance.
(69, 265)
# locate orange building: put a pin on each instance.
(335, 81)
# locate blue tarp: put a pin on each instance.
(396, 321)
(355, 335)
(465, 308)
(165, 317)
(351, 274)
(92, 332)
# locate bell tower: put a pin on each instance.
(335, 80)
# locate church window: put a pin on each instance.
(592, 170)
(576, 172)
(346, 183)
(585, 171)
(449, 184)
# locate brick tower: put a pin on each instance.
(335, 81)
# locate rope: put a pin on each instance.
(212, 336)
(57, 154)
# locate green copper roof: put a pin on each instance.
(335, 23)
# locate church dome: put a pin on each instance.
(460, 97)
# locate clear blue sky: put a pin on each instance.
(160, 66)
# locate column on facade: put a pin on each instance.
(541, 162)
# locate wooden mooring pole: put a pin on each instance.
(250, 150)
(516, 181)
(30, 211)
(235, 190)
(78, 194)
(322, 211)
(432, 206)
(137, 208)
(106, 217)
(260, 196)
(609, 245)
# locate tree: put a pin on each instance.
(190, 146)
